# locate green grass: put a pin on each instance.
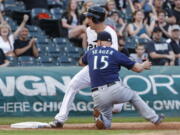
(10, 120)
(69, 132)
(75, 132)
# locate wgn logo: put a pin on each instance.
(31, 85)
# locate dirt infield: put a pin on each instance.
(117, 126)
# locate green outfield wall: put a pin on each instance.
(38, 91)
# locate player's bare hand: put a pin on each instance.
(147, 65)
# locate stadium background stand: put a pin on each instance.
(54, 47)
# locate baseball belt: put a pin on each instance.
(108, 85)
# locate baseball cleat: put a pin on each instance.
(160, 119)
(56, 124)
(98, 118)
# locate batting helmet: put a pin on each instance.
(97, 13)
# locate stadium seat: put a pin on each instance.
(65, 61)
(46, 61)
(13, 61)
(55, 4)
(21, 4)
(53, 51)
(12, 5)
(26, 61)
(42, 50)
(56, 12)
(72, 50)
(35, 31)
(33, 28)
(44, 41)
(56, 16)
(61, 41)
(10, 2)
(10, 21)
(143, 41)
(75, 57)
(12, 24)
(36, 11)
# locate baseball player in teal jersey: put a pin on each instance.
(104, 65)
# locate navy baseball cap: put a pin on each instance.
(157, 29)
(104, 36)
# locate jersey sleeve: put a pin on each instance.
(123, 60)
(114, 40)
(84, 58)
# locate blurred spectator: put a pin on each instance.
(85, 7)
(110, 5)
(158, 4)
(1, 6)
(100, 2)
(140, 56)
(24, 46)
(139, 27)
(121, 4)
(176, 11)
(168, 4)
(115, 22)
(111, 19)
(135, 5)
(161, 22)
(2, 21)
(159, 51)
(121, 47)
(30, 4)
(3, 61)
(7, 38)
(70, 21)
(175, 42)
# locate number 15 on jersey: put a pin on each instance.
(103, 61)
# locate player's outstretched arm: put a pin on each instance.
(140, 67)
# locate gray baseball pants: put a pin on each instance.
(105, 97)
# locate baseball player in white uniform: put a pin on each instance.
(95, 17)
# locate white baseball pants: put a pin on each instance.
(80, 81)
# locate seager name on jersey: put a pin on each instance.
(109, 52)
